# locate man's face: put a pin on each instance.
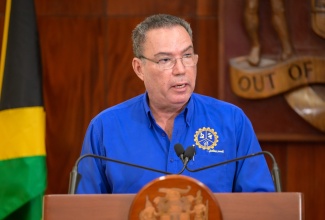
(170, 87)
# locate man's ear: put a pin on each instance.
(137, 67)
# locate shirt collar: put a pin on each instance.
(147, 109)
(187, 111)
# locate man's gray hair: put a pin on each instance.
(155, 22)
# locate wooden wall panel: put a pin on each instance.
(305, 169)
(206, 44)
(73, 71)
(207, 8)
(279, 151)
(122, 82)
(73, 8)
(206, 38)
(147, 7)
(301, 166)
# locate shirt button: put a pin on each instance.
(163, 134)
(171, 160)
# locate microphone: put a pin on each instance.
(75, 176)
(275, 169)
(179, 151)
(185, 156)
(188, 155)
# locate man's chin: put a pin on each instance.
(181, 100)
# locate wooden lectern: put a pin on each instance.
(173, 197)
(241, 206)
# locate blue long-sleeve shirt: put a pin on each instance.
(128, 132)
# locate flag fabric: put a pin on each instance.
(22, 115)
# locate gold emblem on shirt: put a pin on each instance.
(206, 138)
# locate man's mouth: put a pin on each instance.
(180, 86)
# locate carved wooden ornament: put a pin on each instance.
(175, 197)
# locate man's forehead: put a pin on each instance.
(165, 31)
(168, 38)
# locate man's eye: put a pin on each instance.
(189, 55)
(165, 60)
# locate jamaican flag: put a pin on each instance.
(22, 116)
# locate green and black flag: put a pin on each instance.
(22, 116)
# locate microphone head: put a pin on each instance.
(189, 152)
(179, 149)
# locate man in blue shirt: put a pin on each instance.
(144, 129)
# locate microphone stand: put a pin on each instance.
(75, 176)
(275, 169)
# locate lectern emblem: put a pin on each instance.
(176, 204)
(175, 197)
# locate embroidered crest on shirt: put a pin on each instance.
(206, 138)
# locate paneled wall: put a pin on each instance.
(86, 53)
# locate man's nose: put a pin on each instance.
(179, 67)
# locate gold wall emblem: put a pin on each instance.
(295, 75)
(206, 138)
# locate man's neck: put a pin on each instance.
(165, 118)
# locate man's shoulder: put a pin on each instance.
(212, 102)
(129, 105)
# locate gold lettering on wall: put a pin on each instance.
(272, 78)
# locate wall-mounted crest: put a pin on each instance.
(255, 76)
